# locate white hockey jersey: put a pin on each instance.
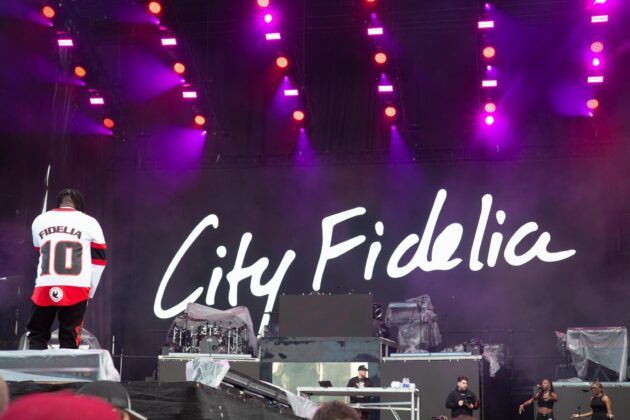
(72, 257)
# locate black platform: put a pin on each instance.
(178, 400)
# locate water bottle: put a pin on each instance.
(405, 382)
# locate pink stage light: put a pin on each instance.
(489, 83)
(65, 42)
(595, 79)
(375, 31)
(485, 24)
(189, 94)
(169, 42)
(291, 92)
(599, 2)
(385, 88)
(596, 62)
(390, 111)
(599, 19)
(97, 100)
(263, 3)
(273, 36)
(268, 18)
(489, 120)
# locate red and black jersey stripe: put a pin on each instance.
(99, 256)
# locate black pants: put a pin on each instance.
(70, 324)
(540, 416)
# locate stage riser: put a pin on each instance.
(435, 379)
(174, 370)
(569, 398)
(308, 349)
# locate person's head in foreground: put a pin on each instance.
(335, 410)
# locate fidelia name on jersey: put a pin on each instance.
(60, 229)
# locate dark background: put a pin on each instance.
(155, 177)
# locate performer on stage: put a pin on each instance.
(72, 258)
(546, 398)
(360, 381)
(461, 400)
(601, 405)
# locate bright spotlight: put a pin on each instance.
(263, 3)
(489, 120)
(189, 94)
(597, 46)
(298, 115)
(489, 52)
(489, 83)
(268, 18)
(282, 62)
(390, 111)
(155, 7)
(596, 62)
(375, 31)
(599, 2)
(97, 100)
(108, 123)
(291, 92)
(273, 36)
(380, 58)
(200, 120)
(595, 79)
(490, 107)
(385, 88)
(79, 71)
(592, 104)
(48, 12)
(599, 19)
(65, 42)
(169, 42)
(179, 68)
(485, 24)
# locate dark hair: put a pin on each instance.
(540, 392)
(74, 195)
(335, 410)
(462, 378)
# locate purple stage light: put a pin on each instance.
(97, 100)
(599, 19)
(65, 42)
(596, 62)
(485, 24)
(599, 2)
(291, 92)
(595, 79)
(268, 18)
(375, 31)
(273, 36)
(189, 94)
(487, 6)
(489, 120)
(169, 42)
(385, 88)
(489, 83)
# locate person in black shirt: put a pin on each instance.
(461, 401)
(360, 381)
